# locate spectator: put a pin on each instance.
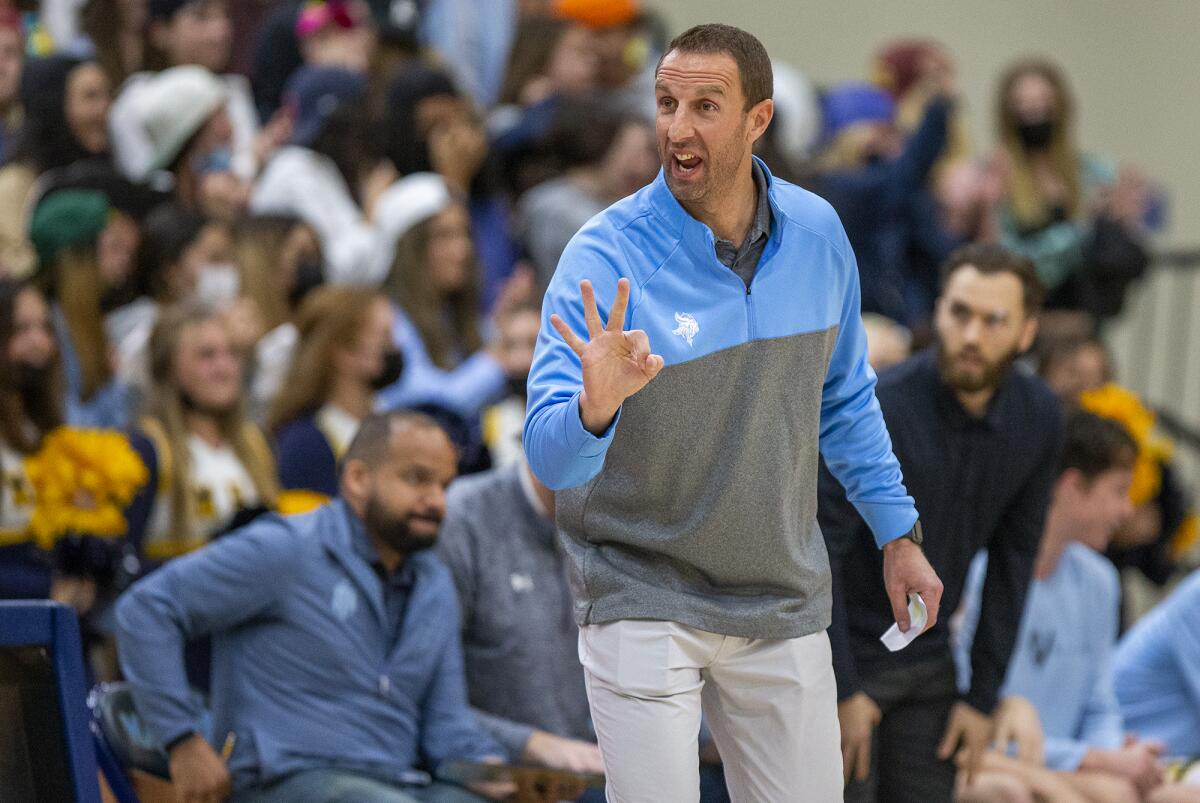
(430, 126)
(116, 30)
(551, 58)
(604, 157)
(198, 34)
(626, 55)
(1164, 525)
(182, 258)
(336, 33)
(1156, 668)
(504, 422)
(1073, 215)
(30, 406)
(327, 700)
(1062, 661)
(433, 281)
(86, 254)
(876, 181)
(279, 257)
(327, 176)
(343, 357)
(977, 442)
(181, 117)
(210, 468)
(12, 62)
(65, 103)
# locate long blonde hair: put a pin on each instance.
(446, 324)
(165, 421)
(77, 289)
(332, 317)
(258, 241)
(1028, 207)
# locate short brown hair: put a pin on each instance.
(753, 63)
(991, 259)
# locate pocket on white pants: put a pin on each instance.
(641, 658)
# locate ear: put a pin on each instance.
(356, 483)
(761, 114)
(1029, 332)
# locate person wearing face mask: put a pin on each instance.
(65, 104)
(182, 257)
(181, 117)
(86, 252)
(1080, 220)
(209, 467)
(432, 280)
(198, 34)
(343, 357)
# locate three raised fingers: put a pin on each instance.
(573, 340)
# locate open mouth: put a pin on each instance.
(685, 164)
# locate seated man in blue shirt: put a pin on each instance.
(1062, 660)
(337, 666)
(1157, 669)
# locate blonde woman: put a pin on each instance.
(210, 468)
(1074, 215)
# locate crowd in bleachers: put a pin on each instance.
(235, 231)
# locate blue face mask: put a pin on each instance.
(219, 160)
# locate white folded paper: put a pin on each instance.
(895, 640)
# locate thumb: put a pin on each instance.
(652, 365)
(949, 741)
(899, 600)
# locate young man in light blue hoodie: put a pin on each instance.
(685, 450)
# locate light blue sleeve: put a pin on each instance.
(209, 590)
(464, 389)
(854, 439)
(561, 452)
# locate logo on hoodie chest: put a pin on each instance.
(687, 327)
(344, 601)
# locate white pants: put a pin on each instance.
(771, 706)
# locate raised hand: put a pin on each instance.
(616, 363)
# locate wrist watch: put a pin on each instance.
(916, 534)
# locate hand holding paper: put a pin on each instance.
(894, 639)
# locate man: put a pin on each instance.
(686, 477)
(336, 662)
(1062, 661)
(978, 442)
(520, 643)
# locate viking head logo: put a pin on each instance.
(687, 328)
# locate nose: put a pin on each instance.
(972, 331)
(681, 128)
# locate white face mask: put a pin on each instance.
(217, 284)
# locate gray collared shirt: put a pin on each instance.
(743, 259)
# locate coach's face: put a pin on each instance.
(704, 130)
